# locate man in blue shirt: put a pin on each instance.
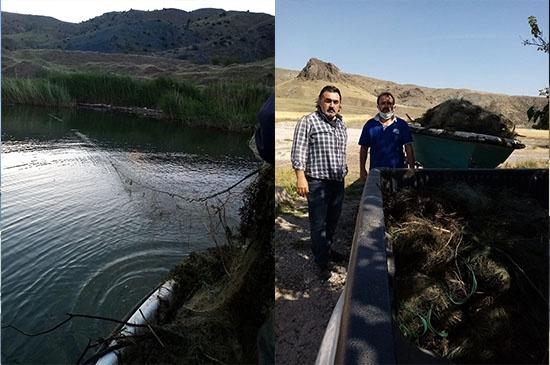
(385, 135)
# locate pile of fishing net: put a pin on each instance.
(462, 115)
(471, 272)
(223, 296)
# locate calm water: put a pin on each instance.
(95, 212)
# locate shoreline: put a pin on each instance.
(145, 113)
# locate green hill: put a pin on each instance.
(201, 36)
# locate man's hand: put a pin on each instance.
(302, 186)
(411, 163)
(363, 152)
(363, 174)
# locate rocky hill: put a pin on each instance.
(318, 70)
(296, 92)
(201, 36)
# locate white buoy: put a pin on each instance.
(146, 313)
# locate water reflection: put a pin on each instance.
(95, 210)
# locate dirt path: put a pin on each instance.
(303, 303)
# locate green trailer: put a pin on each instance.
(439, 148)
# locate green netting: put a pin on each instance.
(462, 115)
(471, 279)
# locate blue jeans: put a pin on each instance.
(324, 202)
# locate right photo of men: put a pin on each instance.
(411, 174)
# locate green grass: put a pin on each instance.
(230, 106)
(236, 103)
(120, 90)
(35, 92)
(285, 178)
(180, 106)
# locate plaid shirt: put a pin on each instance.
(319, 147)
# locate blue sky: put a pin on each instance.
(474, 44)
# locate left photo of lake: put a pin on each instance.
(137, 182)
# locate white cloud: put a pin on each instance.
(77, 11)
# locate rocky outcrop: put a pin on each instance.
(316, 69)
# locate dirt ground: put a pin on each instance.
(304, 303)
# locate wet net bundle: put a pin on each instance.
(471, 272)
(462, 115)
(223, 297)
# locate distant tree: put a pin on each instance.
(538, 116)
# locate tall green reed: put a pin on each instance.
(35, 92)
(231, 106)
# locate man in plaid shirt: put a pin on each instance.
(319, 160)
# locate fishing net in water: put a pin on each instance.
(176, 195)
(471, 272)
(462, 115)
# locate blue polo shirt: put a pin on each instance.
(386, 144)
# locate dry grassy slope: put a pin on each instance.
(203, 35)
(31, 62)
(296, 97)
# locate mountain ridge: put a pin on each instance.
(202, 36)
(297, 94)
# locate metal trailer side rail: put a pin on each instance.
(367, 334)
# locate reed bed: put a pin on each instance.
(35, 92)
(230, 106)
(235, 102)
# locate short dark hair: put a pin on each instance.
(330, 89)
(385, 93)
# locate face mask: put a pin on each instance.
(386, 116)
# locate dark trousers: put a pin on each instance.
(324, 202)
